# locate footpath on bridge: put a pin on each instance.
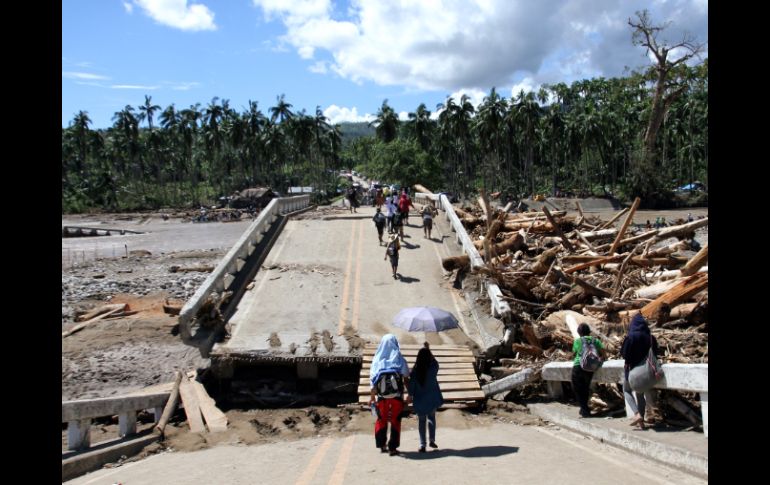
(328, 276)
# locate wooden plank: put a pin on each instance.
(445, 387)
(191, 407)
(215, 418)
(441, 372)
(403, 348)
(448, 396)
(444, 365)
(364, 380)
(440, 359)
(437, 353)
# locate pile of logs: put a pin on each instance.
(557, 270)
(553, 268)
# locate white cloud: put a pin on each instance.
(403, 116)
(319, 67)
(133, 86)
(178, 14)
(527, 85)
(450, 44)
(83, 76)
(129, 8)
(183, 86)
(476, 96)
(337, 114)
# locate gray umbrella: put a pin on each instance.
(424, 319)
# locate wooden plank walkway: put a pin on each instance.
(456, 374)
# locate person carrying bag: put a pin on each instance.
(642, 368)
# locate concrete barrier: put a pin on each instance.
(682, 377)
(78, 415)
(225, 273)
(500, 307)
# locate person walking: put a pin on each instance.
(391, 251)
(428, 212)
(379, 223)
(588, 350)
(391, 206)
(404, 202)
(425, 394)
(388, 376)
(352, 199)
(634, 350)
(398, 224)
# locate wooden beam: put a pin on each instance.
(611, 221)
(625, 225)
(171, 404)
(556, 227)
(694, 264)
(678, 294)
(215, 418)
(191, 406)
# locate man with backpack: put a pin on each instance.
(388, 376)
(379, 223)
(589, 356)
(391, 251)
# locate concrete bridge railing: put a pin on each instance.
(78, 415)
(682, 377)
(500, 307)
(225, 273)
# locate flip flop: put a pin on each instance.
(636, 421)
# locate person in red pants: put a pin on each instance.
(389, 376)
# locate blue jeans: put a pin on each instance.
(431, 418)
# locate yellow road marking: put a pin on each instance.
(357, 287)
(338, 475)
(346, 286)
(312, 467)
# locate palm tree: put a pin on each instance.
(281, 111)
(147, 110)
(386, 124)
(422, 126)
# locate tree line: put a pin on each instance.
(152, 157)
(638, 135)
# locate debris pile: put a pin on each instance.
(557, 270)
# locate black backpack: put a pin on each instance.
(392, 249)
(389, 385)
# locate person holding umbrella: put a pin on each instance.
(388, 376)
(426, 394)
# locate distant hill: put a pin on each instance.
(351, 131)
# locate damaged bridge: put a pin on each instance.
(297, 302)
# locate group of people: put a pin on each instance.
(390, 378)
(398, 214)
(634, 351)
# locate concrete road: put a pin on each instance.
(331, 274)
(499, 454)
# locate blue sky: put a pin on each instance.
(346, 57)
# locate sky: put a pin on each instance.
(346, 57)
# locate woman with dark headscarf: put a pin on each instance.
(388, 375)
(636, 345)
(425, 393)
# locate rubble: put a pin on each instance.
(556, 270)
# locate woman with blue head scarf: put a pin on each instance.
(388, 376)
(636, 345)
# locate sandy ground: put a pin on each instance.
(259, 426)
